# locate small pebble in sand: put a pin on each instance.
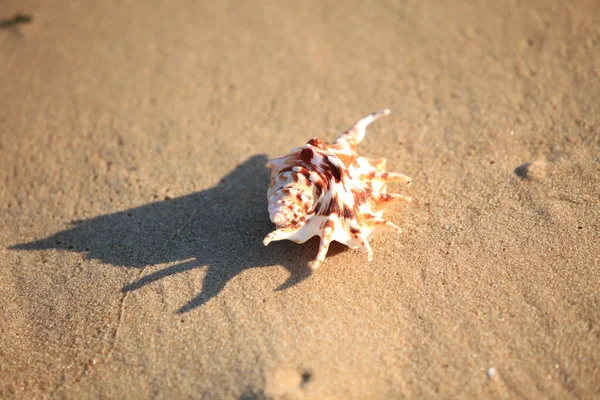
(534, 171)
(491, 372)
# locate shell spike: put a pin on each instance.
(278, 234)
(386, 199)
(364, 244)
(356, 133)
(387, 226)
(323, 246)
(393, 177)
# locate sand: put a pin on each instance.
(133, 142)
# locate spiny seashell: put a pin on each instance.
(331, 192)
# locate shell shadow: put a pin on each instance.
(220, 228)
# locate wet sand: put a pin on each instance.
(133, 142)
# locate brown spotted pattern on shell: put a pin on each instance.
(331, 192)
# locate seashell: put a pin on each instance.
(332, 192)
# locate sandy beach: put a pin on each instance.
(134, 138)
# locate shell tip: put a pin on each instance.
(315, 264)
(278, 219)
(267, 239)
